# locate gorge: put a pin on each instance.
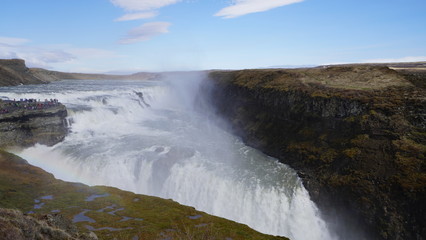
(355, 135)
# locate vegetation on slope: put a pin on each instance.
(109, 212)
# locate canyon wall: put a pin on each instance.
(355, 134)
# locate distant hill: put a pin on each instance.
(15, 72)
(399, 66)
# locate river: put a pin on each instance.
(147, 137)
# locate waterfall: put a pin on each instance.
(145, 137)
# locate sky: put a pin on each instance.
(125, 36)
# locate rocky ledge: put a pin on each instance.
(355, 134)
(24, 123)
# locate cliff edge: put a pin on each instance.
(356, 134)
(27, 122)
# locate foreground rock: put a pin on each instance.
(356, 135)
(24, 123)
(76, 210)
(14, 225)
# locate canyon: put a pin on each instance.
(355, 134)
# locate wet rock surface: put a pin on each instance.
(360, 149)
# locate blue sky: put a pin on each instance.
(162, 35)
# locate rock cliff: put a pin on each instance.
(355, 134)
(25, 127)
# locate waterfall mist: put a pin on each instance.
(146, 137)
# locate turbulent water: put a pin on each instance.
(145, 137)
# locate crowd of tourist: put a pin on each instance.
(8, 106)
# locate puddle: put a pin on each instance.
(108, 207)
(201, 225)
(116, 210)
(94, 196)
(194, 217)
(38, 206)
(48, 197)
(125, 219)
(55, 211)
(82, 218)
(90, 228)
(41, 204)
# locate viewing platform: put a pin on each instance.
(25, 122)
(18, 108)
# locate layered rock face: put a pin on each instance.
(24, 127)
(355, 134)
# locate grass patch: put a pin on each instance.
(116, 215)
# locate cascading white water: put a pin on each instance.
(154, 143)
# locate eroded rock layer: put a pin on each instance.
(25, 127)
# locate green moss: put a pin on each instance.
(328, 156)
(408, 145)
(351, 152)
(372, 112)
(321, 94)
(22, 185)
(350, 119)
(360, 140)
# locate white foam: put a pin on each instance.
(169, 151)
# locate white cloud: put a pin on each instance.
(243, 7)
(90, 53)
(403, 59)
(34, 56)
(136, 16)
(51, 56)
(145, 32)
(13, 41)
(142, 5)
